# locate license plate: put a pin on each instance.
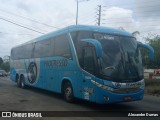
(127, 98)
(133, 85)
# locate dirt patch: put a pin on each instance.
(152, 87)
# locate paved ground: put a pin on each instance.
(13, 98)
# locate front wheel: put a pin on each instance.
(68, 92)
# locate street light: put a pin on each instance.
(77, 10)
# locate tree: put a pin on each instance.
(5, 66)
(1, 61)
(145, 57)
(153, 41)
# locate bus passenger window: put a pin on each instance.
(43, 49)
(62, 47)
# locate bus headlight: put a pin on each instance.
(119, 90)
(102, 86)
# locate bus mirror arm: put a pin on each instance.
(96, 44)
(151, 50)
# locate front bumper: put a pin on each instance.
(106, 97)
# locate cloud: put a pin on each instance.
(146, 12)
(132, 15)
(147, 9)
(52, 12)
(131, 20)
(56, 13)
(118, 17)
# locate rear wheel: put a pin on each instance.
(22, 82)
(18, 81)
(68, 92)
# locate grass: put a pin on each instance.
(152, 87)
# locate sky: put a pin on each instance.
(44, 16)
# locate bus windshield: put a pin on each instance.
(121, 60)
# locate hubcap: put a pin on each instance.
(22, 84)
(68, 93)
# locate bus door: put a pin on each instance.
(88, 65)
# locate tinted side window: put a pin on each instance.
(12, 54)
(19, 52)
(27, 51)
(76, 37)
(15, 53)
(43, 49)
(62, 47)
(22, 52)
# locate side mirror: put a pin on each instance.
(151, 50)
(96, 44)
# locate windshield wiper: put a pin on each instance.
(110, 67)
(107, 77)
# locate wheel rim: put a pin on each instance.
(68, 93)
(18, 82)
(22, 81)
(22, 84)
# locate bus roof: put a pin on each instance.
(99, 29)
(81, 27)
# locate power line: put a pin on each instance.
(128, 22)
(89, 22)
(15, 34)
(158, 29)
(21, 25)
(117, 18)
(144, 3)
(86, 15)
(87, 18)
(28, 19)
(126, 6)
(32, 19)
(135, 12)
(143, 6)
(24, 24)
(81, 18)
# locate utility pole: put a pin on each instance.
(78, 8)
(99, 15)
(77, 14)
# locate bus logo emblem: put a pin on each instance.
(117, 85)
(32, 72)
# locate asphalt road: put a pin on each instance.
(13, 98)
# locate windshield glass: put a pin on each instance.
(121, 60)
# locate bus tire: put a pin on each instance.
(68, 92)
(18, 81)
(22, 82)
